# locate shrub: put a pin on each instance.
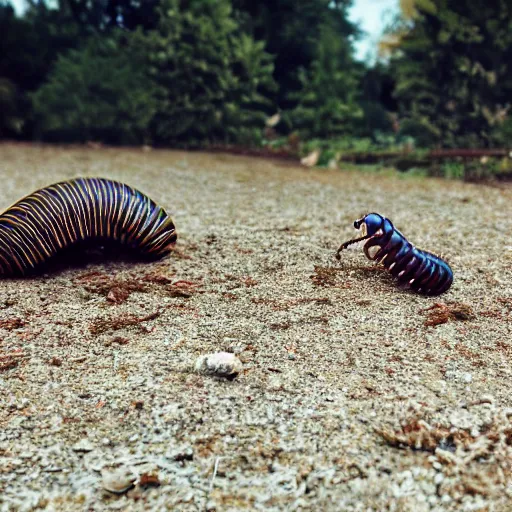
(99, 92)
(212, 79)
(327, 104)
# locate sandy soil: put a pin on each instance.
(353, 395)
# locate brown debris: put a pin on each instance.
(118, 294)
(8, 364)
(117, 290)
(113, 324)
(492, 314)
(418, 435)
(157, 278)
(182, 288)
(117, 340)
(249, 281)
(440, 313)
(10, 361)
(149, 480)
(482, 460)
(177, 291)
(114, 289)
(12, 323)
(279, 327)
(471, 355)
(120, 340)
(506, 301)
(324, 276)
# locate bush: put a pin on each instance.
(11, 122)
(212, 79)
(327, 104)
(100, 92)
(502, 133)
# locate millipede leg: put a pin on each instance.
(344, 245)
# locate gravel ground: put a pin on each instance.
(354, 395)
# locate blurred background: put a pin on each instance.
(340, 75)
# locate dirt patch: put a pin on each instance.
(440, 313)
(354, 395)
(102, 325)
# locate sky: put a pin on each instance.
(371, 15)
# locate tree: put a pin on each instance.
(377, 102)
(211, 78)
(100, 92)
(327, 103)
(28, 49)
(246, 113)
(103, 15)
(30, 45)
(291, 31)
(451, 61)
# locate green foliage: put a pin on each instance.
(479, 170)
(246, 114)
(211, 68)
(195, 72)
(502, 133)
(342, 145)
(453, 170)
(377, 102)
(327, 103)
(291, 30)
(28, 48)
(212, 79)
(453, 77)
(365, 148)
(11, 122)
(100, 92)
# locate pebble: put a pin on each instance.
(181, 453)
(84, 445)
(118, 481)
(220, 364)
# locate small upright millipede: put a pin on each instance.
(52, 219)
(422, 271)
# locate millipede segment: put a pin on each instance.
(422, 271)
(42, 224)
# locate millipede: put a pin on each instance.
(422, 271)
(45, 223)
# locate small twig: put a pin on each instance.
(12, 355)
(215, 469)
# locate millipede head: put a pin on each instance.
(370, 225)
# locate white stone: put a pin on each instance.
(220, 364)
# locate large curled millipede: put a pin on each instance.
(422, 271)
(54, 218)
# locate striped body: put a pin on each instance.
(422, 271)
(54, 218)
